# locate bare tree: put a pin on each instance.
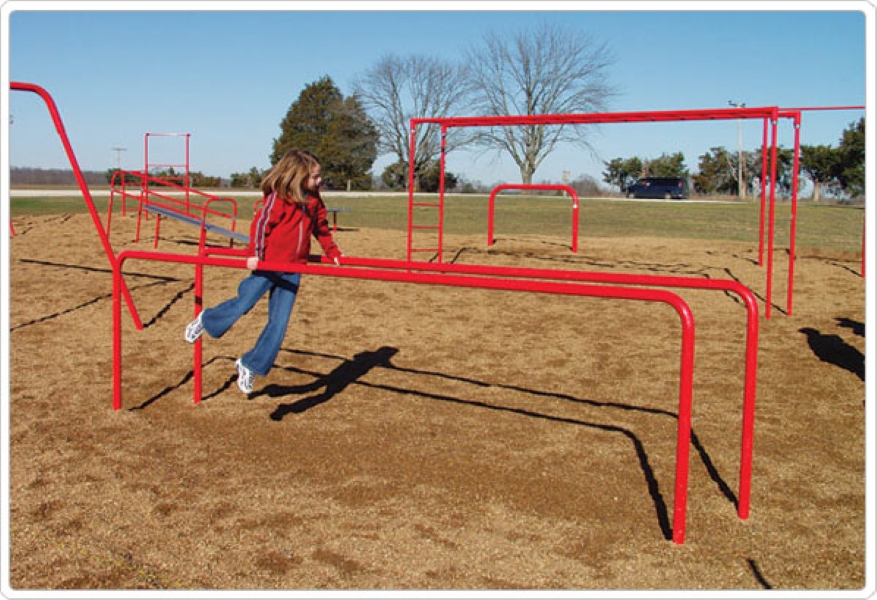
(548, 70)
(399, 89)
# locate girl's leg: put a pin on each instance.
(220, 318)
(261, 358)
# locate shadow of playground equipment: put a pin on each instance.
(351, 372)
(834, 350)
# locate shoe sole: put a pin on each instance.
(192, 337)
(240, 367)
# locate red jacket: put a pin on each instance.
(281, 230)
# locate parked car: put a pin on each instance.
(659, 187)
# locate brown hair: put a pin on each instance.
(290, 174)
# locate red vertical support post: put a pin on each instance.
(491, 206)
(763, 195)
(575, 222)
(441, 224)
(771, 228)
(117, 334)
(683, 431)
(411, 150)
(144, 183)
(794, 215)
(198, 350)
(187, 181)
(124, 194)
(157, 227)
(198, 346)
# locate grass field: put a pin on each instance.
(819, 227)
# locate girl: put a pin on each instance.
(280, 232)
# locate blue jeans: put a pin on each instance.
(283, 288)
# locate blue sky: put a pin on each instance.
(228, 77)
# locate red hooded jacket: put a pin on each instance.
(281, 230)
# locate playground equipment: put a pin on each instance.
(650, 295)
(574, 245)
(511, 279)
(158, 199)
(169, 195)
(473, 276)
(769, 161)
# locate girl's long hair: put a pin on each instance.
(288, 177)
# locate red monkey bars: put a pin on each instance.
(771, 113)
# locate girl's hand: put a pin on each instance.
(252, 262)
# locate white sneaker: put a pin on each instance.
(246, 378)
(194, 329)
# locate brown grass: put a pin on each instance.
(415, 437)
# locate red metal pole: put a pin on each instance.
(763, 195)
(187, 173)
(575, 221)
(441, 223)
(412, 150)
(80, 179)
(794, 215)
(771, 228)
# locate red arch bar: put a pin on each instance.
(574, 246)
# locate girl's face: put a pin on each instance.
(314, 180)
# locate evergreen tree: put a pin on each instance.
(334, 128)
(851, 168)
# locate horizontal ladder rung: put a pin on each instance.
(425, 227)
(431, 204)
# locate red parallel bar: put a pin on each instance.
(545, 187)
(683, 434)
(725, 285)
(80, 179)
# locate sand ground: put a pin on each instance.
(430, 438)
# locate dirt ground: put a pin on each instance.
(430, 438)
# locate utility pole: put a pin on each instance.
(741, 189)
(118, 152)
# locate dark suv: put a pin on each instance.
(659, 187)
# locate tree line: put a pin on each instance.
(546, 70)
(834, 171)
(543, 70)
